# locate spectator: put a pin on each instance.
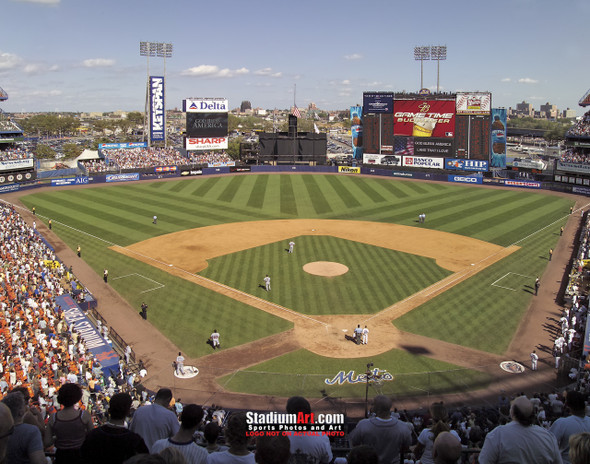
(564, 427)
(6, 430)
(112, 442)
(190, 419)
(386, 434)
(520, 441)
(273, 450)
(579, 448)
(446, 449)
(156, 421)
(25, 444)
(439, 415)
(67, 428)
(211, 434)
(315, 448)
(235, 436)
(362, 454)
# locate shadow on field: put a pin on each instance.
(416, 350)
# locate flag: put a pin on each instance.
(296, 111)
(315, 126)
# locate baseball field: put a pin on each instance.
(462, 279)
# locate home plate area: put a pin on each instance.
(189, 372)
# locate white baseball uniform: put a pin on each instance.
(291, 245)
(215, 339)
(267, 283)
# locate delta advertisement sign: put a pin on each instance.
(206, 143)
(205, 105)
(430, 118)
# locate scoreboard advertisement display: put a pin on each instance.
(424, 118)
(206, 123)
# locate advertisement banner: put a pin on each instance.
(15, 165)
(206, 124)
(240, 169)
(498, 138)
(432, 146)
(356, 131)
(423, 162)
(205, 105)
(102, 146)
(122, 177)
(377, 102)
(573, 167)
(349, 170)
(402, 174)
(474, 103)
(465, 179)
(466, 165)
(522, 183)
(192, 172)
(9, 188)
(431, 118)
(96, 344)
(206, 143)
(386, 160)
(161, 169)
(157, 108)
(69, 181)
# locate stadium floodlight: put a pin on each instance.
(422, 54)
(438, 53)
(161, 50)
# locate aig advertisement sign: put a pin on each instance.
(157, 113)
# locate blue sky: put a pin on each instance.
(81, 55)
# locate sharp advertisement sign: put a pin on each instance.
(426, 118)
(157, 108)
(206, 123)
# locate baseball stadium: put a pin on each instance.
(457, 265)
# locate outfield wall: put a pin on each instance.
(443, 176)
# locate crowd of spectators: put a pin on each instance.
(98, 165)
(582, 127)
(60, 401)
(211, 159)
(15, 154)
(575, 155)
(136, 158)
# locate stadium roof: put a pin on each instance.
(585, 100)
(3, 94)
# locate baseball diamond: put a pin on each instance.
(449, 334)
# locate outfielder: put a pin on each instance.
(267, 283)
(291, 245)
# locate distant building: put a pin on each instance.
(525, 109)
(549, 111)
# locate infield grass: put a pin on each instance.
(474, 313)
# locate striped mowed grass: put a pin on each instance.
(121, 214)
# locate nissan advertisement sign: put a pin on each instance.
(429, 118)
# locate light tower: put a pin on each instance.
(162, 50)
(438, 53)
(422, 54)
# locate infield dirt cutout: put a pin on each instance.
(186, 253)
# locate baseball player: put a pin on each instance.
(105, 276)
(267, 283)
(534, 359)
(291, 245)
(215, 339)
(79, 251)
(365, 335)
(537, 285)
(358, 332)
(155, 221)
(180, 364)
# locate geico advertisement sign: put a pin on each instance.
(206, 143)
(349, 170)
(465, 179)
(203, 105)
(423, 162)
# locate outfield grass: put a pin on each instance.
(474, 313)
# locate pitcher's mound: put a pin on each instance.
(325, 268)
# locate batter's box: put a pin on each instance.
(512, 279)
(136, 276)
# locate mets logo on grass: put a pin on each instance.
(275, 424)
(350, 377)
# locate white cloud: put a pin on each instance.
(268, 72)
(36, 68)
(44, 93)
(207, 70)
(98, 63)
(527, 80)
(8, 61)
(354, 56)
(506, 79)
(345, 82)
(40, 2)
